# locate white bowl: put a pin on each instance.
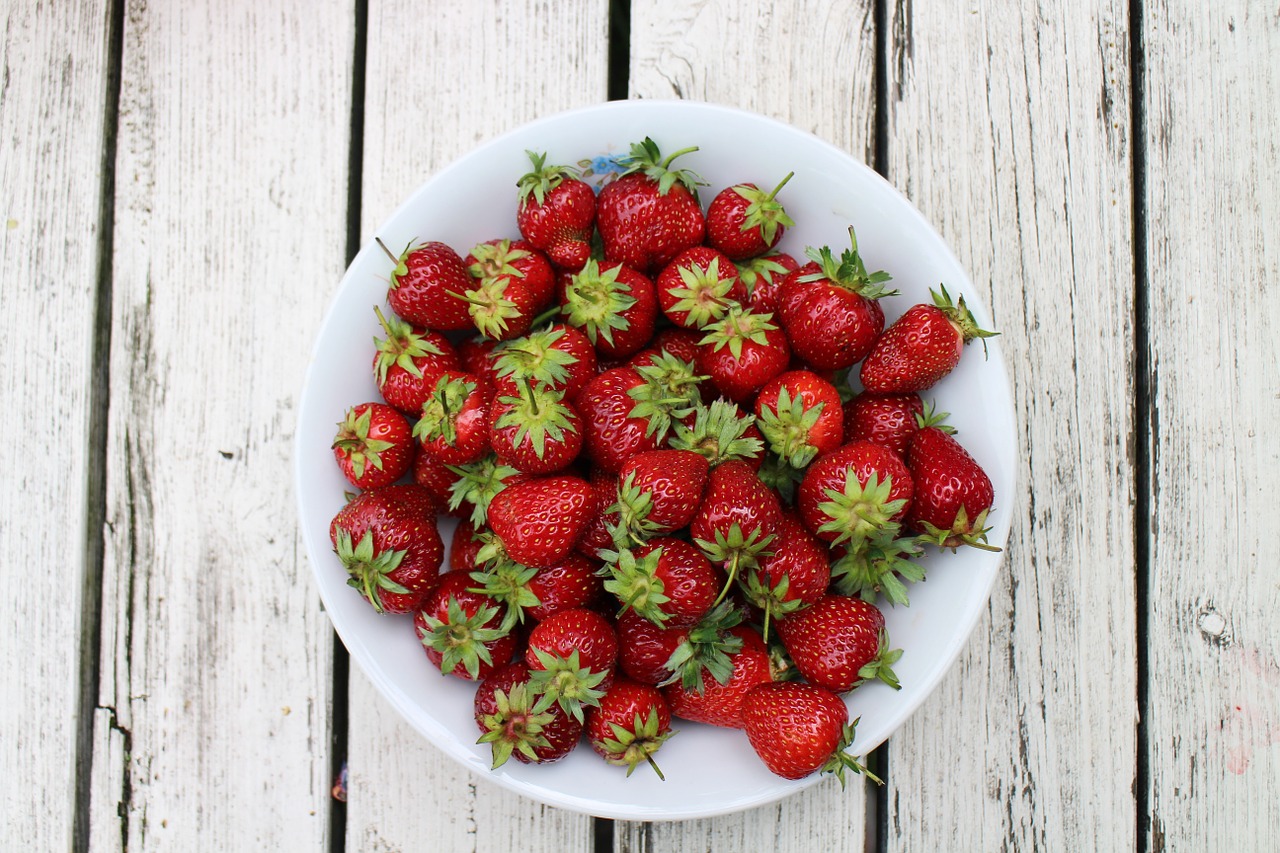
(709, 770)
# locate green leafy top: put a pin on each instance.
(478, 484)
(460, 637)
(764, 211)
(959, 314)
(707, 646)
(738, 326)
(858, 512)
(670, 392)
(718, 433)
(542, 179)
(849, 272)
(787, 426)
(354, 441)
(647, 158)
(594, 301)
(635, 582)
(703, 294)
(535, 357)
(400, 347)
(538, 415)
(440, 411)
(518, 724)
(369, 570)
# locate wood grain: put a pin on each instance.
(231, 181)
(1212, 202)
(436, 85)
(811, 64)
(54, 68)
(1008, 126)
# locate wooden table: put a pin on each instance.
(183, 184)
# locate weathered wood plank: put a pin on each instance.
(436, 85)
(54, 68)
(1008, 126)
(811, 64)
(1212, 86)
(230, 220)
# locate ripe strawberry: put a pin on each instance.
(651, 213)
(829, 308)
(719, 703)
(374, 445)
(597, 535)
(461, 630)
(762, 278)
(742, 351)
(614, 305)
(854, 493)
(612, 432)
(538, 520)
(454, 424)
(425, 284)
(794, 576)
(630, 725)
(659, 491)
(476, 485)
(681, 343)
(538, 593)
(799, 729)
(665, 580)
(953, 493)
(511, 283)
(698, 286)
(389, 546)
(518, 721)
(479, 357)
(556, 212)
(921, 347)
(743, 221)
(800, 415)
(464, 546)
(840, 642)
(885, 419)
(559, 357)
(738, 518)
(571, 657)
(535, 430)
(408, 362)
(436, 477)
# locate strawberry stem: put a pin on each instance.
(395, 260)
(779, 187)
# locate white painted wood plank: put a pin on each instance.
(436, 86)
(1008, 125)
(53, 68)
(1213, 202)
(231, 217)
(811, 64)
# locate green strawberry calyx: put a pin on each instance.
(646, 157)
(881, 565)
(507, 582)
(542, 179)
(960, 316)
(787, 426)
(518, 724)
(354, 442)
(961, 532)
(439, 420)
(632, 510)
(635, 582)
(400, 347)
(881, 666)
(401, 261)
(594, 301)
(706, 648)
(535, 357)
(750, 272)
(841, 760)
(538, 415)
(779, 475)
(670, 392)
(477, 485)
(736, 328)
(848, 272)
(931, 417)
(704, 293)
(770, 595)
(629, 747)
(460, 637)
(735, 550)
(370, 570)
(719, 433)
(764, 211)
(567, 681)
(859, 511)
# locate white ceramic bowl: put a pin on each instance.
(709, 770)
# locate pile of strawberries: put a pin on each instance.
(672, 504)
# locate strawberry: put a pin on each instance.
(651, 213)
(511, 283)
(799, 729)
(839, 642)
(612, 431)
(800, 415)
(538, 593)
(598, 534)
(743, 221)
(374, 445)
(464, 546)
(681, 343)
(719, 703)
(953, 493)
(571, 657)
(425, 286)
(742, 351)
(762, 278)
(436, 477)
(885, 419)
(614, 305)
(537, 521)
(795, 575)
(645, 648)
(829, 308)
(535, 430)
(559, 357)
(665, 580)
(479, 358)
(390, 546)
(738, 518)
(461, 630)
(922, 346)
(630, 725)
(698, 286)
(659, 491)
(408, 362)
(518, 721)
(454, 425)
(556, 212)
(854, 493)
(477, 483)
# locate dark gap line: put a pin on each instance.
(1143, 414)
(878, 823)
(341, 674)
(602, 835)
(619, 59)
(95, 497)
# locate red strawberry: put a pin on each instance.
(651, 213)
(738, 518)
(829, 308)
(885, 419)
(659, 491)
(476, 485)
(921, 347)
(839, 642)
(799, 729)
(681, 343)
(461, 630)
(597, 535)
(743, 221)
(953, 493)
(665, 580)
(538, 520)
(698, 286)
(434, 476)
(559, 357)
(630, 725)
(511, 283)
(762, 277)
(720, 702)
(518, 721)
(854, 493)
(614, 305)
(374, 445)
(454, 424)
(571, 657)
(538, 593)
(535, 430)
(389, 546)
(742, 352)
(479, 358)
(557, 212)
(800, 415)
(464, 546)
(612, 433)
(795, 575)
(408, 362)
(425, 284)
